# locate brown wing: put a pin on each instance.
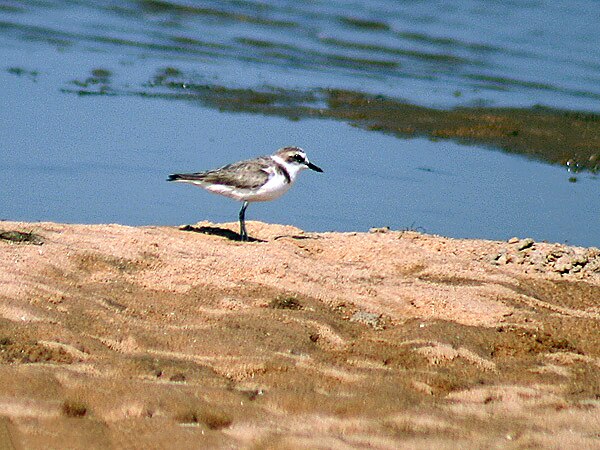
(248, 174)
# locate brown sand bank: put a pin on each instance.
(154, 337)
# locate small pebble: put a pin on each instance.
(579, 259)
(367, 318)
(379, 230)
(525, 243)
(563, 264)
(504, 258)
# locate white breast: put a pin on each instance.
(272, 189)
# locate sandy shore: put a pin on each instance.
(156, 337)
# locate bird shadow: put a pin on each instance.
(221, 232)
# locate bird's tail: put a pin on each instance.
(186, 177)
(175, 177)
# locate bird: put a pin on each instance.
(253, 180)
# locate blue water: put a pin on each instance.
(433, 52)
(105, 158)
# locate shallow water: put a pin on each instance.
(104, 158)
(434, 53)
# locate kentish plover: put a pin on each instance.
(254, 180)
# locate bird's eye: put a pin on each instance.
(298, 158)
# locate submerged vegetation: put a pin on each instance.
(555, 136)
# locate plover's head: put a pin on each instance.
(295, 160)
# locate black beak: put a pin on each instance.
(313, 167)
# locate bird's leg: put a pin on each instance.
(243, 232)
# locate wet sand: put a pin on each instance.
(156, 337)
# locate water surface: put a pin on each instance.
(104, 157)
